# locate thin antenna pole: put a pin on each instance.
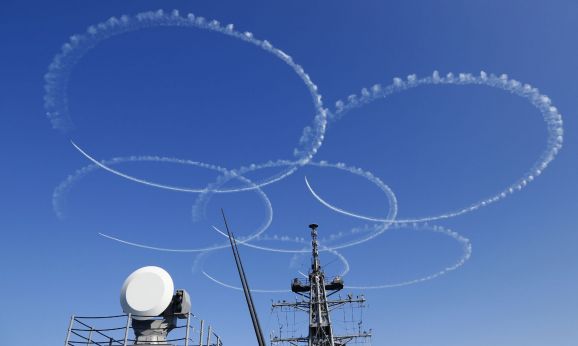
(70, 325)
(201, 333)
(128, 318)
(187, 333)
(246, 290)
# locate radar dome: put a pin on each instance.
(147, 292)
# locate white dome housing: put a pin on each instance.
(148, 291)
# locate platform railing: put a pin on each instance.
(116, 331)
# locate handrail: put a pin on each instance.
(81, 331)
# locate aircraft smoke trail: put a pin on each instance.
(412, 226)
(550, 115)
(142, 181)
(298, 240)
(199, 207)
(63, 63)
(255, 290)
(199, 262)
(226, 174)
(466, 247)
(56, 105)
(64, 187)
(341, 211)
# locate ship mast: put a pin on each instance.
(316, 303)
(320, 331)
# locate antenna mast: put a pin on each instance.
(246, 290)
(316, 303)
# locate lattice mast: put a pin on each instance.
(316, 303)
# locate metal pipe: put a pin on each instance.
(246, 290)
(89, 341)
(201, 333)
(209, 335)
(69, 330)
(129, 316)
(188, 327)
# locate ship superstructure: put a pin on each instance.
(315, 293)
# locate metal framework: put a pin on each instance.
(115, 330)
(315, 292)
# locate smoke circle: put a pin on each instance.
(63, 63)
(466, 254)
(380, 224)
(550, 115)
(202, 258)
(64, 187)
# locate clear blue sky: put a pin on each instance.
(202, 96)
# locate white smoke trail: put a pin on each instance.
(64, 187)
(254, 290)
(466, 247)
(202, 258)
(63, 63)
(199, 208)
(465, 243)
(287, 239)
(341, 211)
(226, 175)
(136, 180)
(550, 114)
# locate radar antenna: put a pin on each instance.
(316, 304)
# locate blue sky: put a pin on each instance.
(203, 96)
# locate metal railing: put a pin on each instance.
(115, 331)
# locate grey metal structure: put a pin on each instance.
(115, 331)
(316, 303)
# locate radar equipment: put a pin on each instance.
(148, 293)
(152, 308)
(316, 303)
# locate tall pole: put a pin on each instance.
(201, 333)
(209, 335)
(315, 249)
(246, 290)
(128, 318)
(187, 333)
(69, 330)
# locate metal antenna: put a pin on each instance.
(246, 290)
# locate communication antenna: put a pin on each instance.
(246, 290)
(315, 293)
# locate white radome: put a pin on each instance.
(148, 291)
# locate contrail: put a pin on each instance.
(291, 240)
(131, 178)
(57, 110)
(341, 211)
(550, 114)
(256, 290)
(265, 225)
(61, 190)
(59, 71)
(202, 200)
(200, 261)
(466, 254)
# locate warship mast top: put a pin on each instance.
(315, 292)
